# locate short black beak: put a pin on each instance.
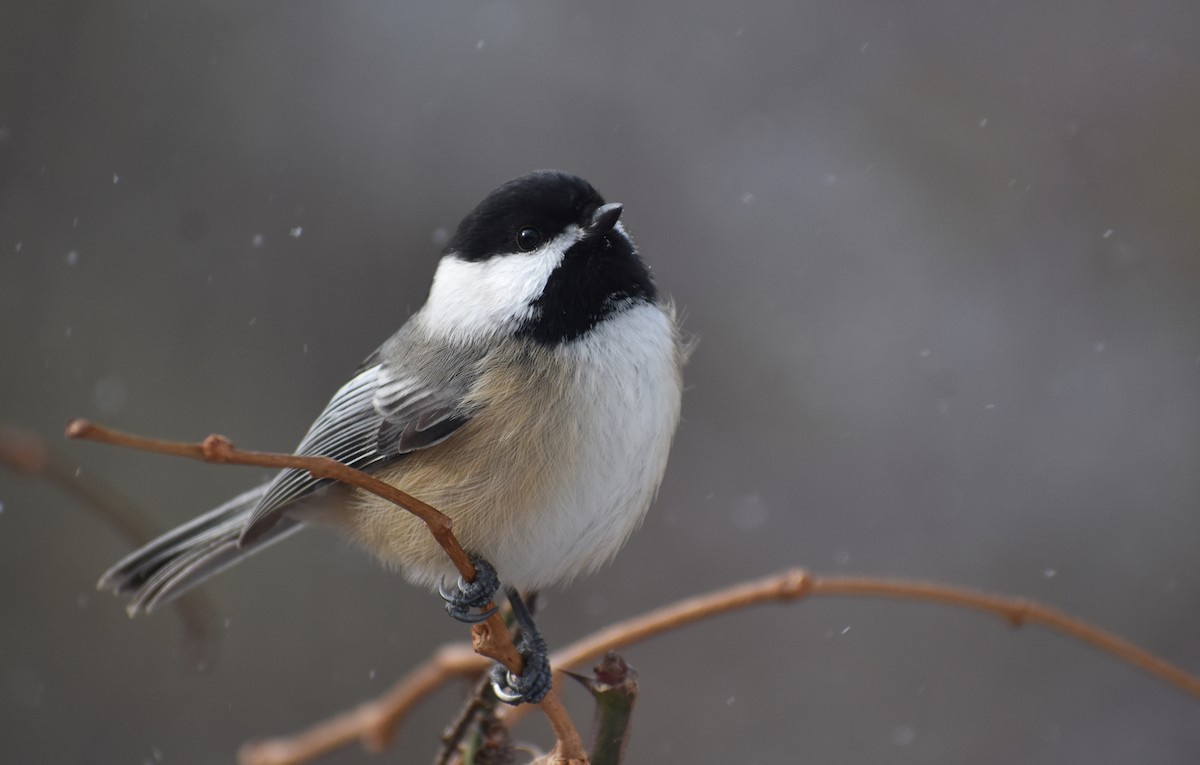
(604, 218)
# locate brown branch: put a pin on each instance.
(794, 584)
(373, 723)
(478, 714)
(491, 637)
(479, 707)
(220, 450)
(789, 585)
(26, 452)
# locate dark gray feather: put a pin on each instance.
(132, 571)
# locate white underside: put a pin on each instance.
(626, 400)
(558, 495)
(606, 418)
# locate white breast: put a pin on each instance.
(558, 468)
(625, 400)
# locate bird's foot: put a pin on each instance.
(532, 685)
(472, 595)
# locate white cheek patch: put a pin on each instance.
(470, 299)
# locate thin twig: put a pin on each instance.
(220, 450)
(479, 701)
(490, 637)
(374, 723)
(794, 584)
(26, 452)
(496, 642)
(789, 585)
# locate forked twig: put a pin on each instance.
(789, 585)
(795, 584)
(490, 638)
(375, 723)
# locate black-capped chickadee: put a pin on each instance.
(533, 399)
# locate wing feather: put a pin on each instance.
(387, 410)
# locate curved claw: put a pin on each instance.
(514, 689)
(469, 595)
(447, 595)
(502, 681)
(466, 617)
(519, 689)
(531, 686)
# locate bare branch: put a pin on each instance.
(491, 637)
(375, 723)
(220, 450)
(26, 452)
(797, 583)
(789, 585)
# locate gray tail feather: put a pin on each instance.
(184, 557)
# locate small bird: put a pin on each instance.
(533, 398)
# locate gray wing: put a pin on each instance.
(405, 397)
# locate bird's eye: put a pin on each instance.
(528, 238)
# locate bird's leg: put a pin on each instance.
(532, 685)
(472, 595)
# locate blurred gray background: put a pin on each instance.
(942, 259)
